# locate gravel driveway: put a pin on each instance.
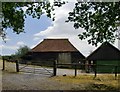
(35, 81)
(31, 81)
(39, 69)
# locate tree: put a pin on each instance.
(22, 51)
(99, 19)
(13, 14)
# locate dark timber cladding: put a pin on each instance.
(106, 54)
(57, 49)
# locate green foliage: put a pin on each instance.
(22, 51)
(13, 13)
(6, 57)
(99, 19)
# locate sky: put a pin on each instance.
(37, 30)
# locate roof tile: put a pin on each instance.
(55, 45)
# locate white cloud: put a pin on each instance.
(5, 39)
(20, 43)
(60, 29)
(36, 38)
(8, 47)
(1, 46)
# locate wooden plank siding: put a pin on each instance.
(108, 66)
(106, 54)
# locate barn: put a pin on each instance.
(106, 55)
(56, 49)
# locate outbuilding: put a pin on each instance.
(106, 57)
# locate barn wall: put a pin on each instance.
(64, 58)
(72, 57)
(77, 57)
(107, 69)
(44, 58)
(47, 58)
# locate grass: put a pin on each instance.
(83, 81)
(1, 63)
(86, 82)
(9, 66)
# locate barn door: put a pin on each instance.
(64, 58)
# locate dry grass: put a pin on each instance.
(1, 63)
(10, 67)
(83, 82)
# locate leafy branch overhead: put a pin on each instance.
(99, 19)
(14, 13)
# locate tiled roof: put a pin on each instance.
(55, 45)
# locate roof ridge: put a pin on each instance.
(56, 39)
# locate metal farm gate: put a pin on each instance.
(35, 69)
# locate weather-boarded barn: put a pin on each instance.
(106, 55)
(56, 49)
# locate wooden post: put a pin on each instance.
(115, 72)
(75, 70)
(55, 68)
(86, 66)
(3, 64)
(95, 70)
(17, 66)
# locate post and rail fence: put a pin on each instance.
(78, 64)
(55, 66)
(15, 61)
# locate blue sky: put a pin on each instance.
(32, 26)
(37, 30)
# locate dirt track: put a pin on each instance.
(34, 81)
(14, 81)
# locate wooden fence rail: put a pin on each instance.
(55, 66)
(15, 61)
(78, 64)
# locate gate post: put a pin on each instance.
(115, 72)
(3, 63)
(95, 70)
(55, 68)
(75, 70)
(17, 66)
